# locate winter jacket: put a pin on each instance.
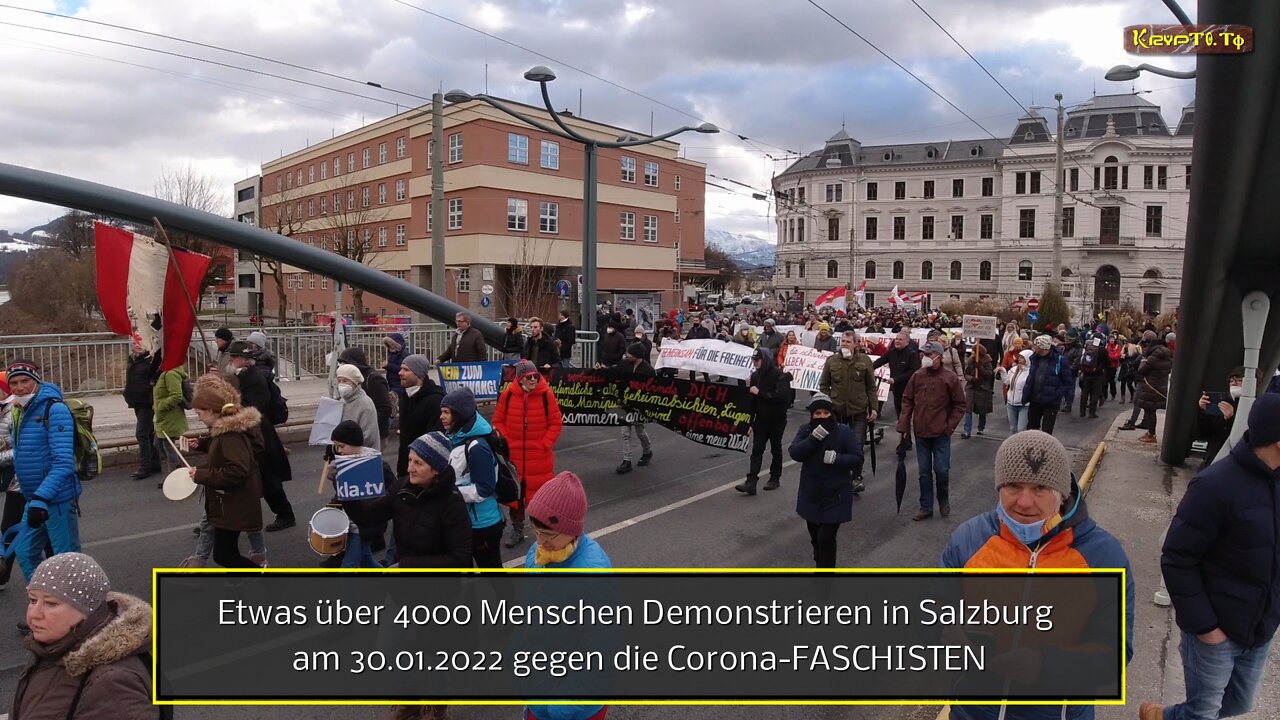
(1215, 430)
(430, 526)
(255, 391)
(170, 417)
(979, 381)
(362, 512)
(137, 381)
(828, 345)
(43, 437)
(395, 357)
(1074, 542)
(359, 408)
(1130, 359)
(851, 384)
(1049, 379)
(531, 423)
(951, 360)
(567, 334)
(902, 364)
(698, 332)
(375, 386)
(1015, 384)
(1072, 354)
(1100, 361)
(771, 340)
(933, 402)
(1153, 377)
(232, 475)
(513, 342)
(1114, 351)
(106, 653)
(464, 347)
(419, 415)
(612, 347)
(1220, 559)
(541, 351)
(825, 492)
(769, 406)
(477, 472)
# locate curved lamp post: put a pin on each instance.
(1122, 73)
(543, 75)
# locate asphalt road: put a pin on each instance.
(680, 511)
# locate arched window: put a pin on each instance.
(833, 269)
(1151, 274)
(1066, 272)
(956, 269)
(898, 269)
(1110, 173)
(1024, 270)
(786, 269)
(926, 270)
(984, 270)
(869, 272)
(801, 268)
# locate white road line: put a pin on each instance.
(571, 449)
(137, 536)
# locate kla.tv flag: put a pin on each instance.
(138, 284)
(359, 477)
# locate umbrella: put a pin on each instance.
(900, 479)
(871, 440)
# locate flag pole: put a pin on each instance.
(173, 262)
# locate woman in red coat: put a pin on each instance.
(529, 418)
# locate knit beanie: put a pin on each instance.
(74, 578)
(524, 367)
(637, 351)
(352, 373)
(820, 402)
(419, 365)
(561, 504)
(462, 404)
(1037, 458)
(1264, 421)
(257, 337)
(354, 356)
(1149, 336)
(348, 432)
(1043, 342)
(224, 334)
(23, 368)
(433, 448)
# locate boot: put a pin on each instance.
(1128, 426)
(645, 458)
(944, 508)
(747, 486)
(922, 515)
(772, 484)
(515, 535)
(624, 468)
(281, 523)
(858, 486)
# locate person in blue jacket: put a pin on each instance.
(828, 451)
(397, 351)
(558, 511)
(43, 435)
(1049, 383)
(476, 469)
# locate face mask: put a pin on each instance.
(609, 330)
(548, 557)
(1026, 532)
(411, 391)
(926, 362)
(346, 390)
(22, 400)
(846, 353)
(1236, 391)
(240, 370)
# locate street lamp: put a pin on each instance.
(543, 75)
(1124, 73)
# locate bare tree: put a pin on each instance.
(278, 218)
(529, 281)
(185, 185)
(353, 230)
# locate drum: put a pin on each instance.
(179, 485)
(328, 532)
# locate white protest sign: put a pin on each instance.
(328, 415)
(714, 357)
(805, 365)
(979, 327)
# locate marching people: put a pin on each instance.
(903, 360)
(566, 337)
(1219, 564)
(222, 339)
(512, 341)
(528, 416)
(420, 411)
(979, 379)
(139, 378)
(1092, 363)
(467, 344)
(1130, 359)
(170, 417)
(231, 474)
(540, 347)
(849, 381)
(953, 355)
(258, 390)
(1015, 382)
(787, 342)
(828, 451)
(476, 471)
(612, 346)
(933, 404)
(636, 361)
(1040, 520)
(824, 341)
(259, 352)
(1214, 421)
(1010, 357)
(1115, 350)
(770, 339)
(358, 406)
(1153, 390)
(640, 337)
(90, 647)
(1048, 380)
(397, 350)
(367, 525)
(1071, 351)
(375, 385)
(770, 390)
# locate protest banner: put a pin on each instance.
(805, 365)
(483, 379)
(714, 357)
(979, 327)
(359, 477)
(328, 415)
(706, 413)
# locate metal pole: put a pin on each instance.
(437, 194)
(1056, 278)
(853, 235)
(589, 237)
(338, 344)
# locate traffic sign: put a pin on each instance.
(486, 289)
(1033, 317)
(484, 301)
(1017, 305)
(562, 288)
(1033, 304)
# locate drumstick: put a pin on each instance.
(176, 450)
(324, 475)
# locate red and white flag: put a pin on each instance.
(860, 295)
(137, 284)
(895, 298)
(835, 297)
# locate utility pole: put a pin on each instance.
(437, 194)
(1059, 180)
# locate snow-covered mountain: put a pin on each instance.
(748, 251)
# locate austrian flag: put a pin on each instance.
(835, 297)
(137, 284)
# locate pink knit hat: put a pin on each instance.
(561, 504)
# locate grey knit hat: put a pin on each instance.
(419, 365)
(1034, 457)
(74, 578)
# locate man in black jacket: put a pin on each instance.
(1091, 364)
(903, 360)
(566, 336)
(540, 349)
(1221, 562)
(258, 390)
(138, 381)
(770, 391)
(375, 386)
(636, 361)
(420, 413)
(613, 345)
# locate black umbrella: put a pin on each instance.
(871, 440)
(900, 479)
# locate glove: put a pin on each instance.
(328, 453)
(819, 433)
(37, 513)
(829, 457)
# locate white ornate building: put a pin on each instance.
(973, 219)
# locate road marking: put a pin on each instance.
(571, 449)
(136, 536)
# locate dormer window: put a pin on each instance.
(1071, 131)
(1029, 136)
(1154, 127)
(888, 154)
(930, 152)
(975, 150)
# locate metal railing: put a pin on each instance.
(1125, 241)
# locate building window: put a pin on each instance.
(337, 166)
(957, 188)
(311, 208)
(899, 228)
(651, 228)
(899, 269)
(677, 216)
(627, 226)
(382, 237)
(1027, 223)
(926, 227)
(1075, 179)
(288, 180)
(311, 173)
(429, 214)
(1148, 177)
(464, 279)
(279, 183)
(1035, 182)
(957, 227)
(835, 192)
(366, 238)
(1024, 270)
(324, 204)
(431, 150)
(873, 191)
(400, 148)
(833, 228)
(833, 269)
(400, 235)
(351, 200)
(871, 299)
(324, 170)
(957, 270)
(799, 190)
(382, 153)
(1155, 220)
(786, 269)
(926, 270)
(988, 187)
(651, 174)
(1020, 183)
(288, 211)
(1151, 303)
(455, 148)
(517, 214)
(899, 191)
(382, 193)
(1187, 170)
(313, 280)
(800, 229)
(801, 269)
(628, 169)
(399, 190)
(1124, 177)
(455, 214)
(549, 217)
(986, 226)
(1162, 177)
(873, 224)
(299, 177)
(869, 271)
(1068, 222)
(984, 270)
(678, 187)
(365, 158)
(928, 189)
(351, 162)
(549, 155)
(1110, 173)
(518, 149)
(364, 196)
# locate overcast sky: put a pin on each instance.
(779, 72)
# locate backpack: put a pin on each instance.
(1089, 359)
(278, 408)
(509, 488)
(166, 711)
(188, 393)
(88, 459)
